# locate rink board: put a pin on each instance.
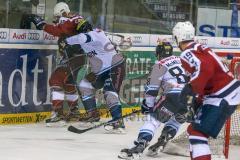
(26, 67)
(24, 118)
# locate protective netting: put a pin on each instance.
(235, 119)
(235, 128)
(217, 145)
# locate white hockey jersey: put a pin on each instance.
(168, 75)
(101, 52)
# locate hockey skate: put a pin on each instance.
(134, 153)
(167, 134)
(158, 147)
(56, 120)
(115, 127)
(73, 115)
(89, 119)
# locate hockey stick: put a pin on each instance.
(80, 131)
(120, 44)
(74, 83)
(114, 34)
(71, 72)
(190, 111)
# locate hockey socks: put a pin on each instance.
(199, 148)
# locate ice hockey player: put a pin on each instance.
(209, 79)
(169, 76)
(107, 71)
(61, 80)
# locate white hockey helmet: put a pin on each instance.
(60, 8)
(183, 31)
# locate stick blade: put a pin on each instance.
(76, 130)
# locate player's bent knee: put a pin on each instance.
(69, 88)
(111, 98)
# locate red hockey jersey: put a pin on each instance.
(67, 28)
(208, 74)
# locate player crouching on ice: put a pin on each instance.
(107, 71)
(209, 79)
(167, 74)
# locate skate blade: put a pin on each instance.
(110, 130)
(85, 125)
(154, 153)
(56, 124)
(124, 155)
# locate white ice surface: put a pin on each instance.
(37, 142)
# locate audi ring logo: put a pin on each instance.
(234, 43)
(203, 41)
(33, 36)
(137, 38)
(3, 35)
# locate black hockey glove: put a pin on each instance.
(186, 93)
(62, 45)
(37, 21)
(188, 98)
(145, 109)
(71, 50)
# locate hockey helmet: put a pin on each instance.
(60, 8)
(183, 31)
(163, 50)
(84, 26)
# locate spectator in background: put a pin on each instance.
(95, 19)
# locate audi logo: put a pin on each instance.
(234, 43)
(137, 38)
(3, 35)
(203, 41)
(33, 36)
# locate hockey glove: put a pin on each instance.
(186, 93)
(70, 49)
(187, 90)
(145, 109)
(37, 21)
(61, 45)
(188, 98)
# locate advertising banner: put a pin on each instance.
(215, 22)
(138, 66)
(25, 36)
(4, 35)
(49, 39)
(24, 78)
(25, 70)
(24, 75)
(137, 39)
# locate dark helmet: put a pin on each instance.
(84, 26)
(163, 50)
